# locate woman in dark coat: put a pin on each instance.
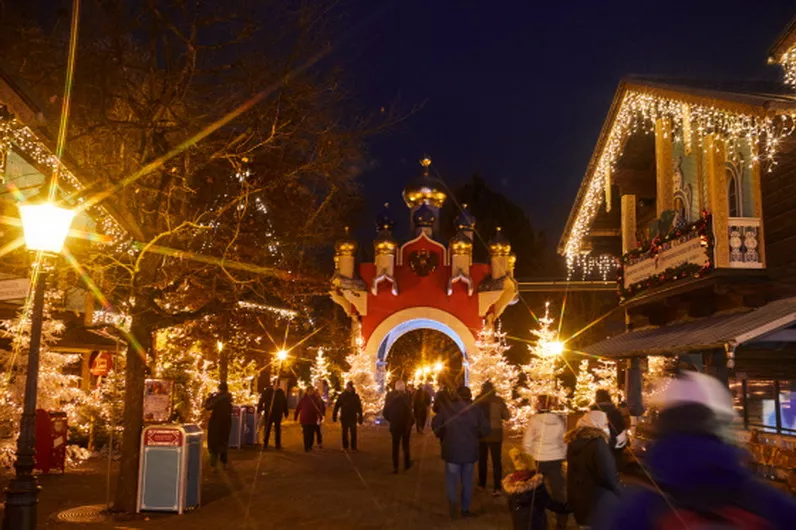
(591, 469)
(527, 494)
(309, 412)
(220, 424)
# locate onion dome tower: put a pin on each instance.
(499, 253)
(465, 222)
(425, 191)
(345, 251)
(384, 249)
(461, 252)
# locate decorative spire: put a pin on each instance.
(499, 245)
(346, 246)
(425, 189)
(384, 220)
(465, 220)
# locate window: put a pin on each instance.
(769, 406)
(734, 190)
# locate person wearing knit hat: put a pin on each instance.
(591, 470)
(697, 469)
(528, 498)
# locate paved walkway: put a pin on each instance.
(326, 489)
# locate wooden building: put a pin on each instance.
(691, 192)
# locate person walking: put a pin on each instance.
(272, 407)
(398, 412)
(544, 441)
(698, 469)
(460, 426)
(320, 404)
(591, 470)
(496, 413)
(220, 424)
(308, 415)
(349, 405)
(421, 402)
(441, 400)
(616, 424)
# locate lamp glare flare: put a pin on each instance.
(638, 112)
(281, 355)
(45, 226)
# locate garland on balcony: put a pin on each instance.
(703, 227)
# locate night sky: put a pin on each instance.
(518, 92)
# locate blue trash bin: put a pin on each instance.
(236, 432)
(249, 422)
(170, 475)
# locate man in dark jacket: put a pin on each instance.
(422, 400)
(349, 406)
(616, 424)
(398, 411)
(591, 471)
(272, 407)
(460, 426)
(219, 425)
(309, 412)
(699, 472)
(496, 413)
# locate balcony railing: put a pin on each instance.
(743, 234)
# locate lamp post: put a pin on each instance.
(45, 227)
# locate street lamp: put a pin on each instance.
(281, 355)
(438, 366)
(45, 227)
(553, 348)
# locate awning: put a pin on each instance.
(717, 331)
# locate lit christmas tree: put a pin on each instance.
(605, 372)
(488, 363)
(542, 372)
(360, 372)
(56, 390)
(319, 371)
(585, 387)
(656, 378)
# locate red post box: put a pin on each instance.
(51, 433)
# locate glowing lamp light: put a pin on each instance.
(281, 355)
(220, 346)
(426, 370)
(45, 226)
(438, 366)
(553, 348)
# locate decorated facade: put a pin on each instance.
(688, 202)
(422, 282)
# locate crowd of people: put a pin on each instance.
(697, 478)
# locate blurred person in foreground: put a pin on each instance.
(349, 405)
(220, 424)
(460, 426)
(528, 498)
(544, 441)
(496, 413)
(698, 469)
(591, 471)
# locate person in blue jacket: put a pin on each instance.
(698, 474)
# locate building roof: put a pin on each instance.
(754, 98)
(718, 331)
(784, 42)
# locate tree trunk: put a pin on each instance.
(133, 418)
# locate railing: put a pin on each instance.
(743, 235)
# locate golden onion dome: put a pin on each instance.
(512, 260)
(346, 246)
(465, 220)
(384, 243)
(461, 244)
(425, 189)
(499, 245)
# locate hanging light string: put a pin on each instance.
(788, 63)
(638, 111)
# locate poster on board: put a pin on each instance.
(157, 400)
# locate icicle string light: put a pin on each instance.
(788, 63)
(638, 112)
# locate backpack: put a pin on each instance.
(678, 515)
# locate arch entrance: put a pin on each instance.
(423, 283)
(402, 322)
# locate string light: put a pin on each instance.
(22, 139)
(281, 312)
(110, 318)
(604, 266)
(788, 63)
(637, 113)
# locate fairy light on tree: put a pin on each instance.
(488, 363)
(585, 387)
(319, 371)
(360, 372)
(542, 372)
(606, 379)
